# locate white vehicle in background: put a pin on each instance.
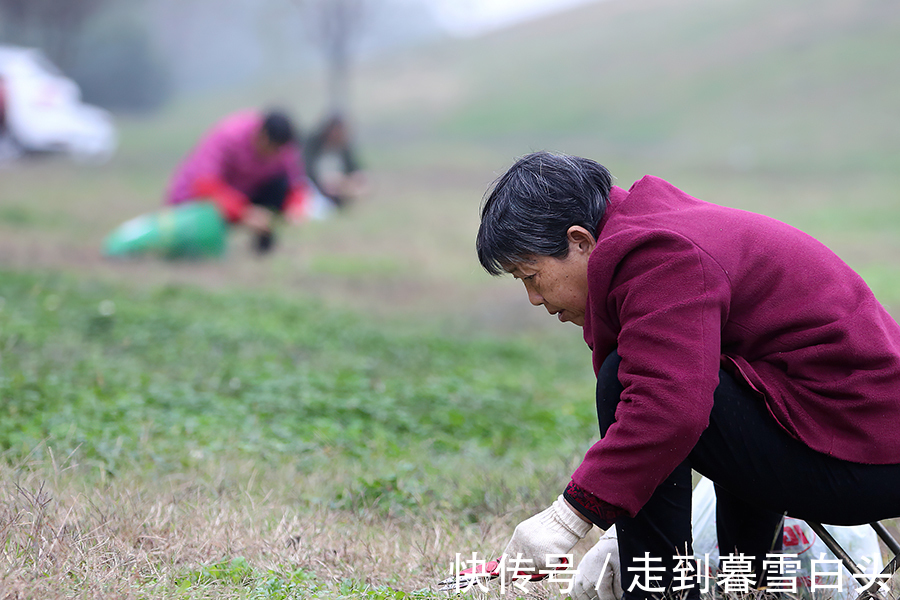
(41, 111)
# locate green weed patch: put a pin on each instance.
(172, 377)
(283, 584)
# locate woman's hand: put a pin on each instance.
(554, 531)
(599, 574)
(258, 219)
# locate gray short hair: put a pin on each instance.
(531, 207)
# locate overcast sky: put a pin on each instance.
(471, 17)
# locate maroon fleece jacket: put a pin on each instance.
(680, 286)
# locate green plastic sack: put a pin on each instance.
(189, 230)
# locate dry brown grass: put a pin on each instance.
(68, 533)
(65, 534)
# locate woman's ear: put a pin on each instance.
(580, 240)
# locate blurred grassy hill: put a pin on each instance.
(790, 87)
(787, 108)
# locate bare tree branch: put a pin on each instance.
(335, 27)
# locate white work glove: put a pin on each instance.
(554, 531)
(599, 577)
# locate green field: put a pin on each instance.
(199, 399)
(341, 418)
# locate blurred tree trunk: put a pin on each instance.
(335, 28)
(54, 26)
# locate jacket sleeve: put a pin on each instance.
(297, 204)
(600, 513)
(232, 202)
(207, 169)
(670, 300)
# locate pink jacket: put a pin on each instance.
(227, 154)
(680, 287)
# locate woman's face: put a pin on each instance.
(265, 147)
(560, 284)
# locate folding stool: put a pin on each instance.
(892, 566)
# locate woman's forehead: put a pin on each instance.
(528, 262)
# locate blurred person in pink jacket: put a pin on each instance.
(250, 164)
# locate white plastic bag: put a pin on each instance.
(860, 542)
